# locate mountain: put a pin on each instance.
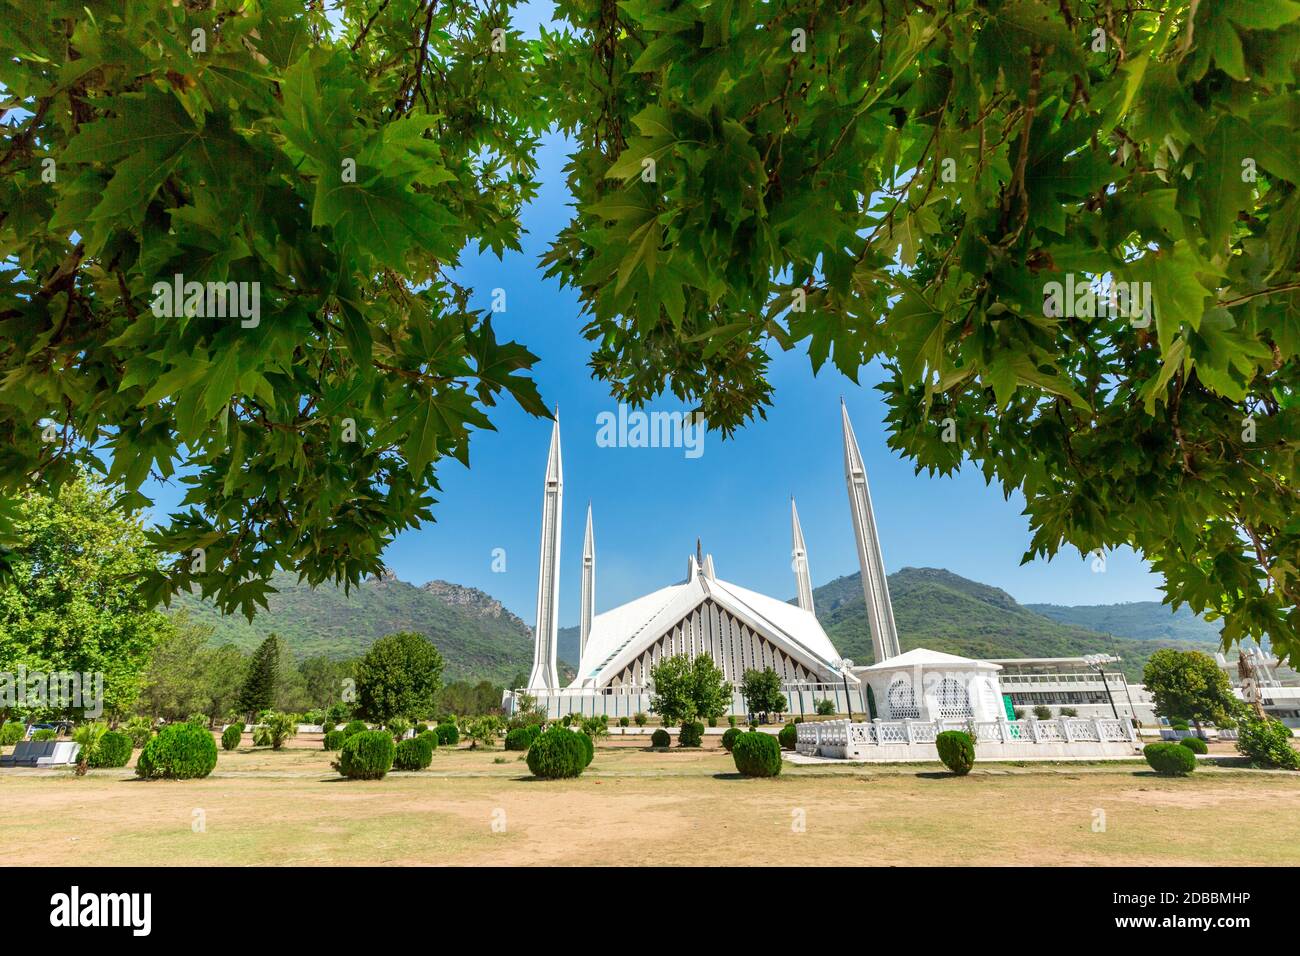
(1146, 620)
(943, 611)
(478, 638)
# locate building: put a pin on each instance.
(1073, 684)
(1278, 694)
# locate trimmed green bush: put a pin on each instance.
(1179, 723)
(731, 721)
(1267, 743)
(413, 754)
(825, 707)
(660, 738)
(430, 736)
(367, 755)
(787, 737)
(448, 735)
(421, 729)
(588, 746)
(113, 750)
(521, 738)
(45, 734)
(139, 729)
(692, 734)
(1170, 760)
(624, 722)
(231, 736)
(334, 740)
(956, 750)
(639, 718)
(354, 727)
(729, 738)
(558, 753)
(178, 752)
(11, 733)
(1195, 744)
(757, 754)
(326, 727)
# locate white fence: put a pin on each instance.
(914, 739)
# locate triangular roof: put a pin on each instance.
(924, 657)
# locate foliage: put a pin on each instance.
(280, 727)
(557, 753)
(366, 756)
(824, 707)
(139, 729)
(354, 727)
(521, 738)
(232, 736)
(44, 734)
(762, 691)
(483, 730)
(691, 734)
(1195, 744)
(1170, 760)
(1042, 712)
(956, 750)
(1267, 743)
(640, 718)
(261, 736)
(968, 155)
(448, 735)
(588, 746)
(624, 722)
(177, 752)
(729, 738)
(788, 735)
(757, 754)
(1190, 685)
(113, 750)
(11, 732)
(686, 688)
(260, 684)
(72, 602)
(399, 677)
(333, 740)
(88, 736)
(660, 738)
(413, 754)
(1069, 712)
(596, 727)
(398, 727)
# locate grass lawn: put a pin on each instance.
(636, 806)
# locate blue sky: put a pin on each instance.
(650, 504)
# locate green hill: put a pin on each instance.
(1145, 620)
(477, 637)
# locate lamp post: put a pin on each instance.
(844, 665)
(1096, 662)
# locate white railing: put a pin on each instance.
(812, 735)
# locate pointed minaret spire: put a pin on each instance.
(884, 635)
(802, 578)
(546, 631)
(588, 585)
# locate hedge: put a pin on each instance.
(558, 753)
(788, 735)
(448, 735)
(660, 738)
(757, 754)
(12, 732)
(956, 750)
(1195, 744)
(692, 734)
(1171, 760)
(178, 752)
(1267, 743)
(367, 755)
(588, 746)
(113, 750)
(354, 727)
(413, 754)
(231, 736)
(729, 738)
(334, 740)
(521, 738)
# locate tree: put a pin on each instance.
(762, 691)
(399, 677)
(929, 186)
(258, 692)
(177, 680)
(225, 668)
(323, 679)
(331, 170)
(686, 688)
(73, 604)
(1190, 685)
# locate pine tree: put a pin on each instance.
(258, 692)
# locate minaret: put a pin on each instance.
(543, 676)
(588, 585)
(802, 578)
(884, 636)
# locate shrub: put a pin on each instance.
(413, 754)
(660, 738)
(231, 736)
(729, 738)
(639, 719)
(588, 746)
(558, 753)
(731, 721)
(398, 727)
(431, 737)
(88, 735)
(521, 738)
(713, 721)
(956, 750)
(448, 735)
(367, 755)
(788, 735)
(354, 727)
(1267, 743)
(199, 720)
(624, 722)
(334, 740)
(825, 707)
(1195, 744)
(113, 750)
(1171, 760)
(45, 734)
(757, 754)
(421, 729)
(139, 729)
(692, 734)
(1069, 712)
(12, 732)
(327, 726)
(1042, 712)
(797, 720)
(1179, 723)
(178, 752)
(261, 736)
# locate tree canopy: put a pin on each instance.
(1191, 686)
(685, 688)
(400, 676)
(1068, 231)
